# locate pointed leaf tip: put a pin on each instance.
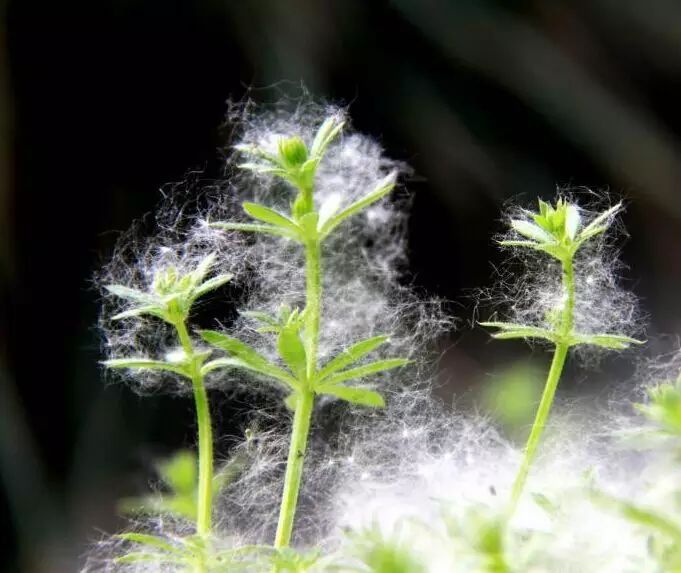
(531, 231)
(381, 189)
(355, 395)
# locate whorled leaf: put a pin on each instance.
(247, 357)
(363, 371)
(384, 187)
(351, 355)
(148, 364)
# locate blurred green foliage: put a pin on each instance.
(510, 396)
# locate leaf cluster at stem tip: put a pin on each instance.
(664, 408)
(559, 232)
(296, 163)
(170, 298)
(172, 294)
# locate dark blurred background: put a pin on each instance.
(101, 103)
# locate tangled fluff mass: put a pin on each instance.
(420, 476)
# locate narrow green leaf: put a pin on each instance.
(151, 541)
(141, 557)
(612, 341)
(381, 190)
(220, 363)
(328, 209)
(600, 223)
(509, 330)
(640, 515)
(211, 284)
(254, 228)
(326, 133)
(261, 317)
(201, 270)
(528, 244)
(249, 357)
(153, 310)
(261, 168)
(586, 235)
(503, 325)
(527, 333)
(572, 221)
(351, 355)
(256, 151)
(146, 364)
(359, 396)
(233, 346)
(267, 215)
(292, 351)
(268, 329)
(531, 231)
(364, 370)
(554, 249)
(131, 294)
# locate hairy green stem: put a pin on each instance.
(305, 403)
(559, 356)
(313, 286)
(294, 468)
(539, 421)
(205, 493)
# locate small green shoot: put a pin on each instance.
(381, 553)
(179, 477)
(559, 232)
(480, 536)
(170, 298)
(663, 410)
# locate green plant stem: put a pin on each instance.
(203, 419)
(305, 403)
(294, 468)
(557, 363)
(313, 303)
(539, 424)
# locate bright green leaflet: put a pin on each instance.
(298, 331)
(557, 231)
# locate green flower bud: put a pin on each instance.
(165, 281)
(292, 152)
